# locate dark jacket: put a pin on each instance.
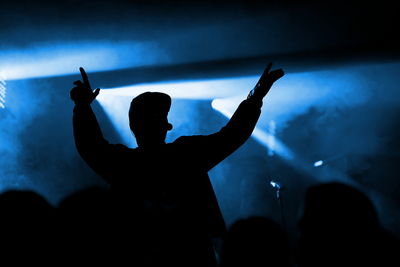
(168, 186)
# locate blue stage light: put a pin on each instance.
(59, 59)
(190, 89)
(318, 163)
(227, 107)
(275, 185)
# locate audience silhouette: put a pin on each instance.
(166, 204)
(255, 241)
(84, 219)
(340, 227)
(27, 225)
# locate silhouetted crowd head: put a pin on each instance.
(339, 226)
(255, 241)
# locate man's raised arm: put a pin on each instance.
(89, 139)
(212, 149)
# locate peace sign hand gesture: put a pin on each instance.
(82, 93)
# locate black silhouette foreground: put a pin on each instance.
(165, 210)
(340, 227)
(27, 228)
(254, 242)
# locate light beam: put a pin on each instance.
(3, 92)
(59, 59)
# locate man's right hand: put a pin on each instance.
(82, 93)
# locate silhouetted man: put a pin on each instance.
(167, 206)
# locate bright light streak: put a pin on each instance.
(57, 59)
(116, 108)
(318, 163)
(201, 89)
(270, 141)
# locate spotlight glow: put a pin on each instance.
(275, 185)
(318, 163)
(116, 107)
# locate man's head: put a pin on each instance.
(148, 118)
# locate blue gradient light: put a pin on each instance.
(58, 59)
(195, 89)
(116, 107)
(3, 92)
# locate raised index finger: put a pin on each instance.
(265, 74)
(84, 77)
